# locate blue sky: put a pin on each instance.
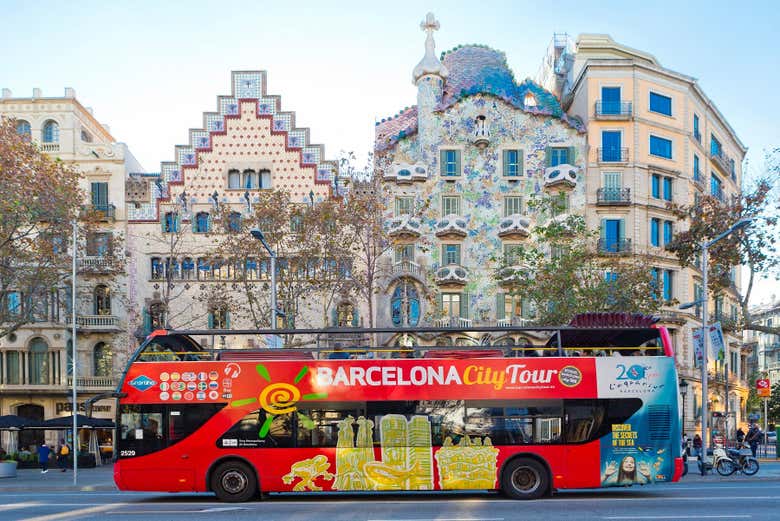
(150, 69)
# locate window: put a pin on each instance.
(12, 373)
(265, 179)
(450, 204)
(39, 362)
(715, 147)
(249, 180)
(157, 268)
(450, 253)
(513, 163)
(560, 204)
(202, 222)
(558, 156)
(277, 431)
(234, 179)
(668, 232)
(612, 235)
(696, 168)
(451, 304)
(668, 293)
(172, 268)
(219, 318)
(99, 196)
(696, 132)
(187, 268)
(661, 147)
(403, 206)
(610, 100)
(513, 205)
(405, 305)
(655, 186)
(51, 132)
(404, 253)
(171, 222)
(716, 186)
(611, 146)
(13, 303)
(733, 169)
(86, 137)
(102, 359)
(660, 104)
(655, 238)
(667, 184)
(234, 222)
(23, 128)
(102, 300)
(450, 163)
(512, 254)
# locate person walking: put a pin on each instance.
(43, 457)
(697, 445)
(740, 436)
(62, 455)
(753, 437)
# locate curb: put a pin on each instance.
(64, 488)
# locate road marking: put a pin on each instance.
(75, 514)
(732, 516)
(15, 506)
(444, 519)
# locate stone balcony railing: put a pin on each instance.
(110, 323)
(452, 322)
(93, 382)
(96, 263)
(407, 267)
(50, 147)
(513, 321)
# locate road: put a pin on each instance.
(734, 498)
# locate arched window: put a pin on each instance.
(202, 222)
(102, 359)
(69, 357)
(51, 132)
(39, 362)
(234, 179)
(250, 179)
(405, 305)
(23, 128)
(187, 268)
(102, 300)
(234, 222)
(171, 222)
(265, 179)
(157, 268)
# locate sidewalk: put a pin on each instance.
(769, 469)
(89, 480)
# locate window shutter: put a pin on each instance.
(334, 316)
(443, 255)
(548, 157)
(464, 305)
(227, 319)
(572, 158)
(439, 304)
(457, 163)
(355, 318)
(208, 223)
(163, 220)
(211, 320)
(505, 169)
(603, 230)
(500, 311)
(520, 161)
(442, 163)
(621, 229)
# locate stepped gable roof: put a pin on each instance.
(390, 130)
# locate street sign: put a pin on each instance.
(763, 388)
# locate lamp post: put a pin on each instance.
(705, 246)
(75, 411)
(683, 394)
(258, 234)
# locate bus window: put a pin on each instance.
(247, 432)
(446, 417)
(328, 425)
(515, 422)
(588, 420)
(141, 429)
(183, 420)
(172, 348)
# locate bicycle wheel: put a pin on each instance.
(726, 467)
(750, 466)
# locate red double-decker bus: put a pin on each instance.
(538, 411)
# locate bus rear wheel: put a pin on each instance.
(525, 478)
(234, 481)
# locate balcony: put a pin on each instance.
(93, 383)
(451, 226)
(452, 322)
(96, 264)
(98, 212)
(511, 272)
(406, 173)
(513, 322)
(514, 225)
(614, 246)
(612, 155)
(404, 227)
(451, 274)
(723, 162)
(613, 109)
(407, 267)
(50, 147)
(672, 317)
(698, 180)
(613, 196)
(563, 176)
(98, 323)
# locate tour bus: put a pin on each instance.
(535, 411)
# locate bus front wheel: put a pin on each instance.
(525, 478)
(234, 481)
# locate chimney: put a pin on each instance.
(36, 93)
(70, 92)
(7, 93)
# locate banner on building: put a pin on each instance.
(717, 345)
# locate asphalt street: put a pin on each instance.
(695, 497)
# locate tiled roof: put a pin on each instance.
(389, 131)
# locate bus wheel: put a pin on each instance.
(525, 478)
(234, 481)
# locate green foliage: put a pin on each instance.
(773, 406)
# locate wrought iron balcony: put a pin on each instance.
(100, 212)
(613, 109)
(407, 267)
(515, 224)
(615, 246)
(452, 322)
(613, 196)
(513, 321)
(723, 162)
(612, 155)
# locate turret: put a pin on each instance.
(428, 76)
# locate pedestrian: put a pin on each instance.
(753, 437)
(62, 455)
(697, 445)
(740, 436)
(43, 457)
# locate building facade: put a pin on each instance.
(765, 347)
(459, 169)
(656, 139)
(36, 360)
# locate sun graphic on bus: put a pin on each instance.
(279, 398)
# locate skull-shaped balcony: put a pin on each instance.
(511, 273)
(481, 136)
(403, 173)
(451, 274)
(561, 177)
(514, 226)
(451, 225)
(404, 227)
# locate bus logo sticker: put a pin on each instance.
(202, 376)
(165, 376)
(176, 396)
(164, 386)
(570, 376)
(213, 395)
(188, 396)
(202, 386)
(142, 382)
(201, 395)
(175, 377)
(164, 396)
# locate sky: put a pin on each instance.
(149, 69)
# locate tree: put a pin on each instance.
(39, 200)
(754, 246)
(773, 406)
(561, 274)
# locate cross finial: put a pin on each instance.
(430, 24)
(430, 64)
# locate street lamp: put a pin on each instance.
(258, 234)
(705, 246)
(683, 393)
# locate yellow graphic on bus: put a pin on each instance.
(308, 470)
(471, 464)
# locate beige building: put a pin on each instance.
(765, 346)
(655, 138)
(35, 361)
